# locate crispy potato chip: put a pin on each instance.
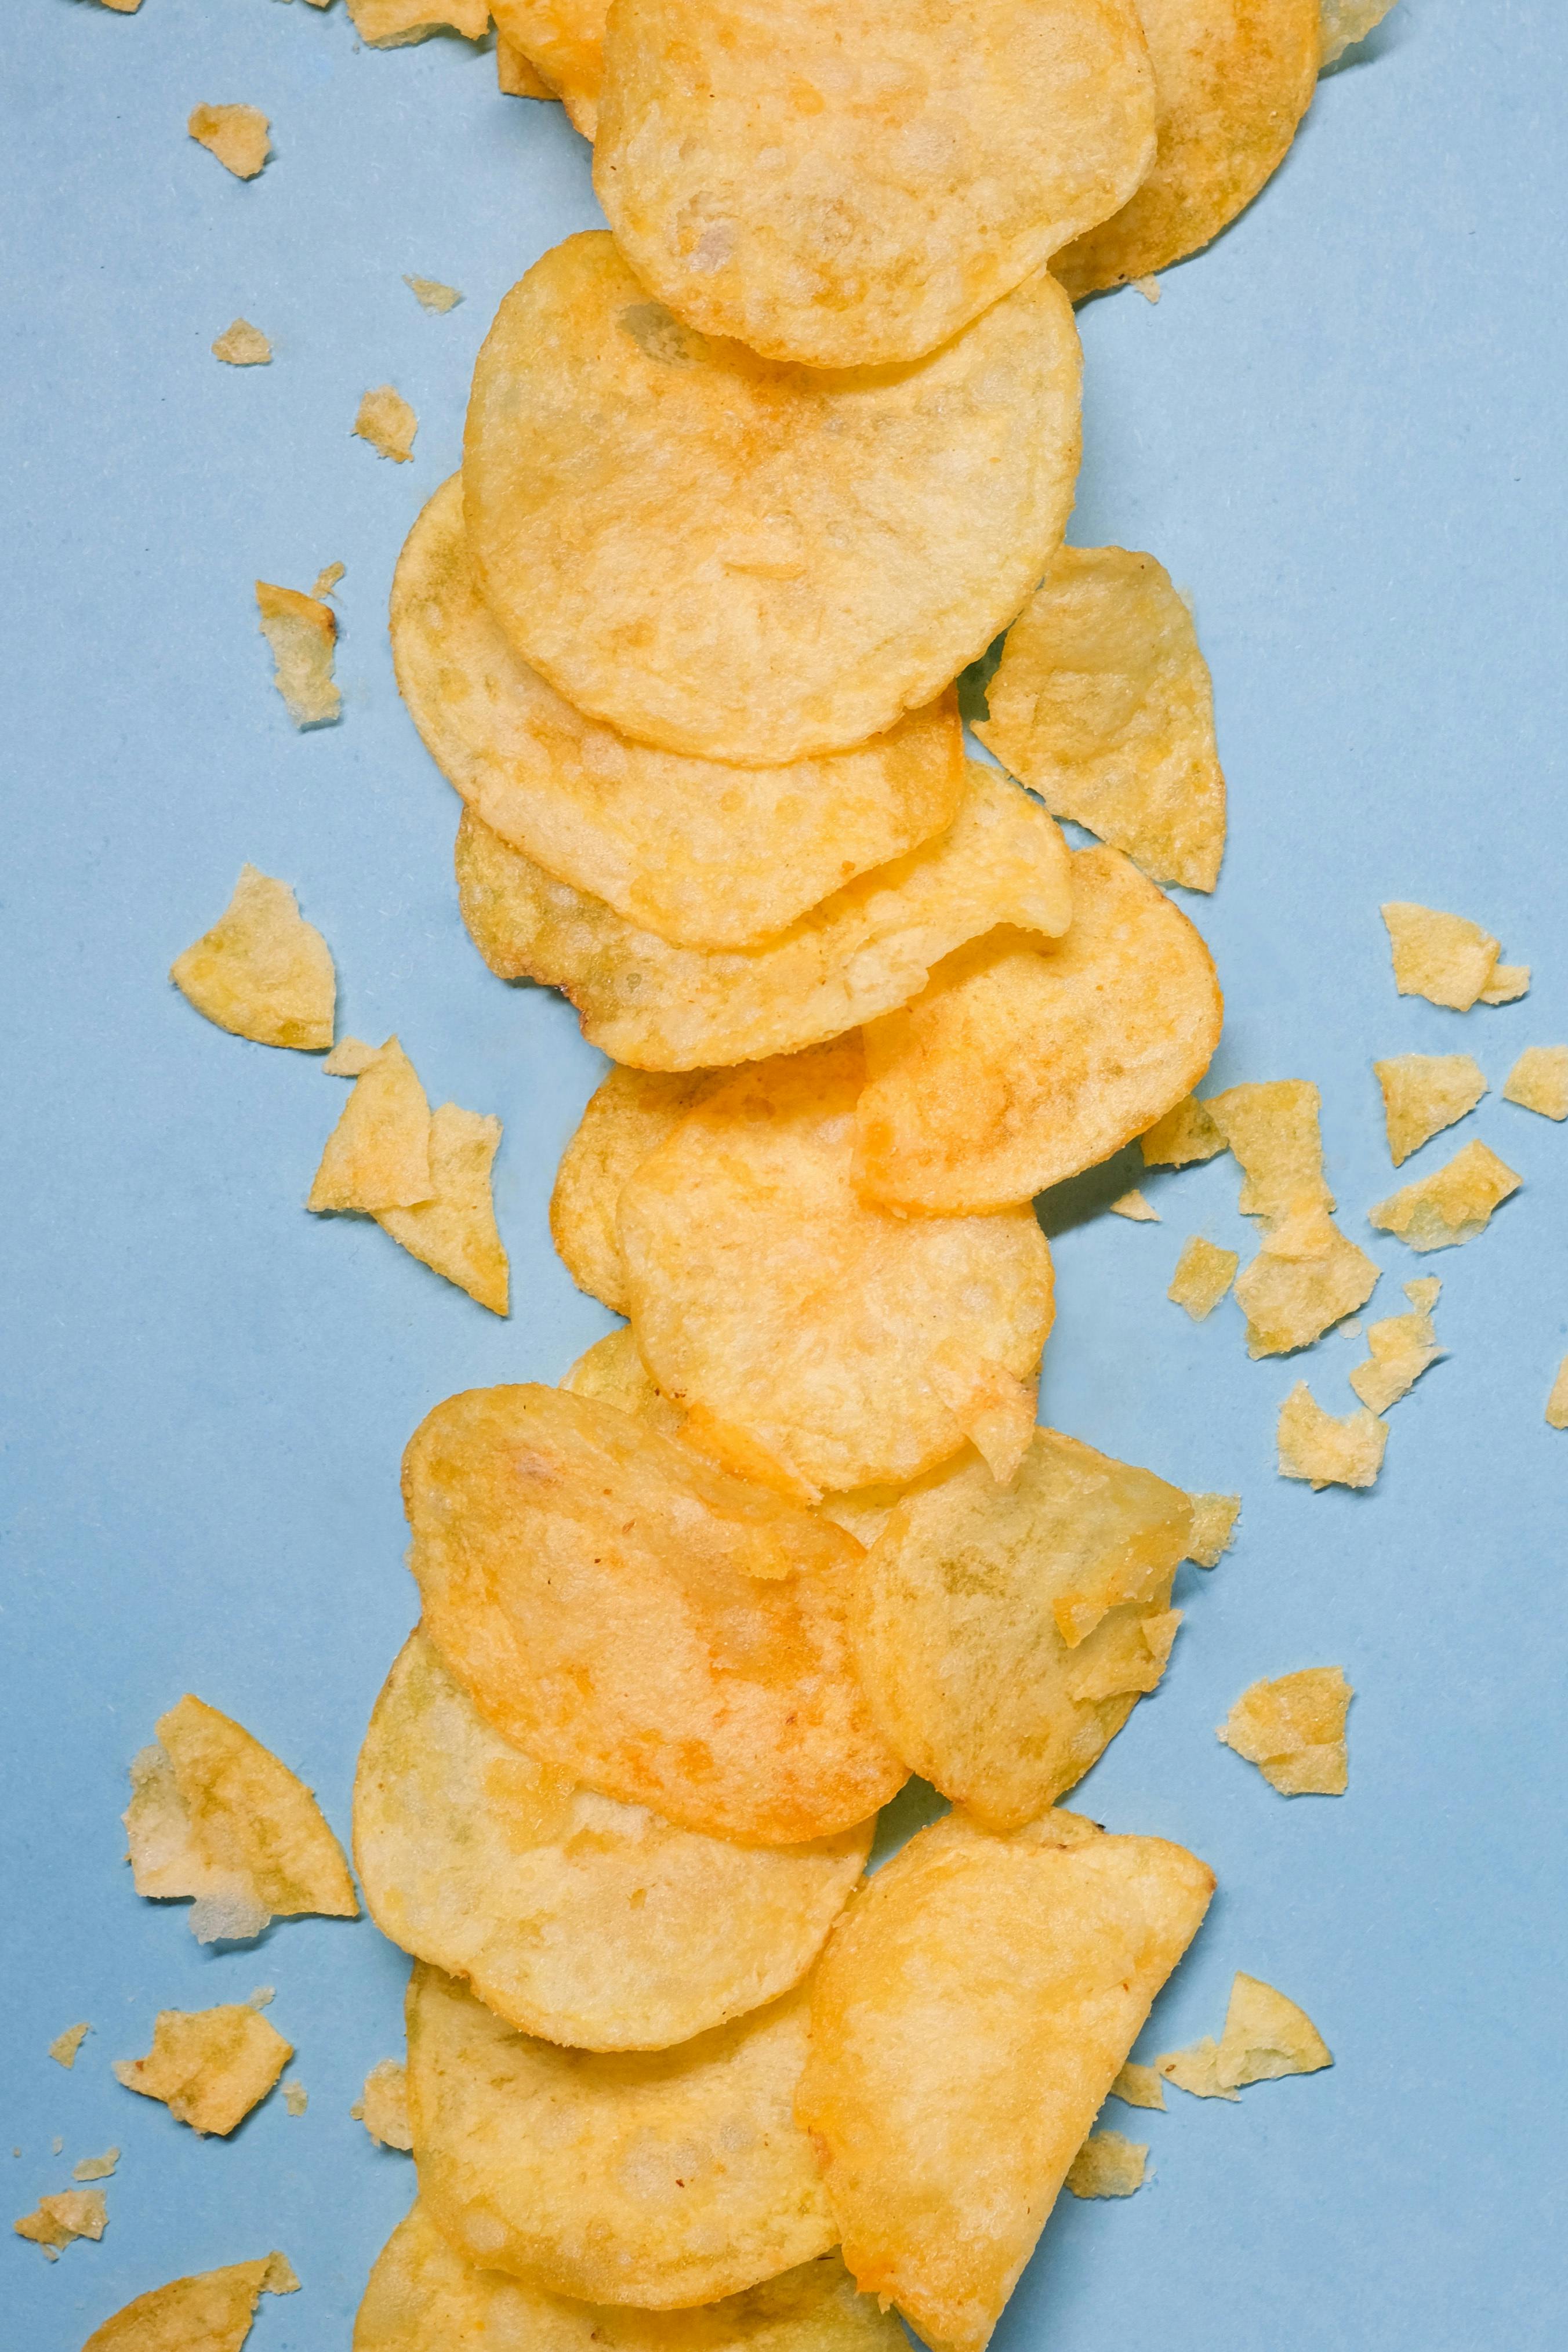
(861, 952)
(1345, 22)
(1102, 705)
(59, 2220)
(1184, 1135)
(1401, 1347)
(1232, 81)
(1313, 1445)
(628, 1118)
(515, 76)
(378, 1156)
(845, 544)
(703, 854)
(613, 1372)
(1134, 1206)
(64, 2046)
(1264, 2036)
(1204, 1274)
(1508, 981)
(1306, 1277)
(96, 2167)
(1446, 959)
(351, 1057)
(564, 42)
(209, 2312)
(1140, 2086)
(957, 1627)
(764, 1289)
(262, 971)
(395, 23)
(1539, 1081)
(453, 1232)
(384, 2109)
(969, 2016)
(431, 295)
(1422, 1094)
(1271, 1129)
(1213, 1528)
(1023, 1064)
(657, 2177)
(1107, 2165)
(215, 1815)
(236, 135)
(387, 422)
(1294, 1731)
(851, 188)
(302, 632)
(243, 345)
(1452, 1205)
(208, 2066)
(1557, 1402)
(639, 1621)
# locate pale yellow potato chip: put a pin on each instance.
(1401, 1348)
(431, 295)
(453, 1232)
(59, 2220)
(1102, 704)
(386, 420)
(262, 971)
(1345, 22)
(1306, 1277)
(1232, 81)
(916, 163)
(395, 23)
(1204, 1274)
(1293, 1729)
(845, 542)
(861, 952)
(209, 2312)
(384, 2109)
(515, 76)
(1023, 1062)
(1213, 1528)
(1313, 1445)
(965, 1663)
(208, 2066)
(636, 1619)
(296, 2097)
(302, 632)
(1424, 1093)
(1272, 1131)
(1267, 2036)
(243, 345)
(96, 2167)
(1452, 1205)
(1107, 2165)
(1557, 1402)
(1539, 1081)
(564, 41)
(378, 1156)
(1140, 2086)
(1446, 959)
(351, 1057)
(1184, 1135)
(1134, 1206)
(236, 135)
(64, 2046)
(1508, 981)
(701, 852)
(613, 1372)
(764, 1289)
(627, 1116)
(657, 2177)
(971, 2012)
(215, 1815)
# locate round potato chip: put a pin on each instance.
(844, 184)
(662, 2178)
(738, 560)
(1232, 81)
(766, 1295)
(640, 1620)
(1023, 1062)
(627, 1116)
(564, 40)
(702, 855)
(575, 1918)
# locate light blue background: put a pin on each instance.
(1340, 429)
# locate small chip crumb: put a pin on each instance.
(296, 2097)
(1539, 1081)
(280, 2277)
(1453, 1205)
(383, 2109)
(351, 1057)
(1134, 1205)
(96, 2167)
(1266, 2036)
(1508, 983)
(1401, 1348)
(1107, 2165)
(238, 135)
(302, 632)
(56, 2146)
(431, 295)
(59, 2220)
(1422, 1094)
(1557, 1402)
(208, 2066)
(1213, 1528)
(387, 422)
(243, 345)
(1329, 1453)
(1293, 1729)
(1446, 959)
(1184, 1135)
(263, 1996)
(1139, 2086)
(64, 2046)
(1306, 1277)
(1202, 1275)
(327, 579)
(1148, 287)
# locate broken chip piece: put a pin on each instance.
(1293, 1729)
(1264, 2037)
(1314, 1445)
(236, 135)
(96, 2167)
(243, 345)
(1306, 1277)
(64, 2046)
(1213, 1528)
(1185, 1134)
(351, 1057)
(302, 632)
(453, 1232)
(1272, 1130)
(1452, 1205)
(296, 2097)
(1557, 1402)
(1140, 2086)
(431, 295)
(1345, 22)
(1422, 1094)
(1539, 1081)
(612, 1370)
(1204, 1274)
(386, 420)
(1446, 959)
(1134, 1206)
(378, 1156)
(1107, 2165)
(59, 2220)
(262, 971)
(210, 2312)
(383, 2108)
(208, 2066)
(1401, 1347)
(398, 24)
(1508, 983)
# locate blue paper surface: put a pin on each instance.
(1341, 430)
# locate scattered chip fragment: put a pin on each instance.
(387, 422)
(1557, 1402)
(1329, 1453)
(1424, 1093)
(64, 2046)
(1293, 1729)
(96, 2167)
(1446, 959)
(397, 23)
(1345, 22)
(1508, 983)
(1184, 1135)
(243, 345)
(384, 2107)
(1452, 1205)
(378, 1156)
(59, 2220)
(627, 1116)
(302, 632)
(296, 2097)
(1204, 1274)
(210, 2312)
(1213, 1528)
(1539, 1081)
(431, 295)
(1401, 1347)
(208, 2066)
(351, 1057)
(1264, 2037)
(1139, 2086)
(262, 971)
(453, 1232)
(1272, 1131)
(1134, 1206)
(123, 7)
(1307, 1276)
(1107, 2165)
(238, 135)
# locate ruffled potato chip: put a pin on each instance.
(1272, 1130)
(741, 561)
(1400, 1349)
(301, 634)
(1307, 1276)
(850, 185)
(641, 1621)
(1446, 959)
(1232, 81)
(763, 1291)
(1452, 1205)
(1183, 1136)
(1266, 2036)
(1314, 1445)
(378, 1154)
(627, 1116)
(208, 2066)
(700, 853)
(262, 971)
(1293, 1729)
(1107, 2165)
(1424, 1093)
(1204, 1274)
(397, 23)
(1023, 1064)
(236, 135)
(657, 2178)
(453, 1232)
(1102, 704)
(564, 41)
(211, 2312)
(868, 949)
(969, 2017)
(1539, 1081)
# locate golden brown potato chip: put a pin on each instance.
(1184, 1135)
(1022, 1063)
(1422, 1094)
(243, 345)
(209, 2312)
(453, 1232)
(1140, 2086)
(1134, 1206)
(387, 422)
(1272, 1131)
(208, 2066)
(572, 1916)
(1445, 958)
(236, 135)
(1102, 705)
(1204, 1274)
(627, 1116)
(849, 187)
(378, 1155)
(351, 1057)
(969, 2016)
(1213, 1528)
(59, 2220)
(1539, 1081)
(395, 23)
(1344, 22)
(1264, 2036)
(1293, 1729)
(96, 2167)
(1107, 2165)
(1232, 81)
(1452, 1205)
(564, 41)
(613, 1372)
(431, 295)
(638, 1620)
(384, 2107)
(657, 2177)
(737, 560)
(964, 1657)
(1306, 1277)
(215, 1815)
(765, 1290)
(262, 971)
(1557, 1402)
(302, 632)
(1508, 981)
(703, 854)
(515, 76)
(1313, 1445)
(1401, 1347)
(64, 2046)
(864, 950)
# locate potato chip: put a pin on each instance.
(1293, 1729)
(657, 2177)
(208, 2066)
(515, 76)
(236, 135)
(966, 1662)
(969, 2016)
(564, 41)
(243, 345)
(97, 2167)
(1184, 1135)
(431, 295)
(1508, 983)
(613, 1372)
(64, 2046)
(1107, 2165)
(764, 1289)
(453, 1232)
(351, 1057)
(1204, 1274)
(384, 2107)
(1023, 1064)
(1140, 2086)
(1264, 2036)
(1557, 1402)
(59, 2220)
(1102, 705)
(1232, 81)
(209, 2312)
(1452, 1205)
(302, 632)
(704, 853)
(1307, 1276)
(1213, 1528)
(395, 23)
(1401, 1348)
(863, 952)
(387, 422)
(378, 1155)
(627, 1116)
(733, 559)
(1313, 1445)
(262, 971)
(296, 2097)
(1424, 1093)
(1272, 1131)
(1539, 1081)
(851, 189)
(639, 1621)
(1345, 22)
(1446, 959)
(214, 1815)
(1136, 1207)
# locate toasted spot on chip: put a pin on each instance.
(243, 345)
(613, 1372)
(1134, 1205)
(1306, 1277)
(431, 295)
(59, 2220)
(302, 632)
(1313, 1445)
(351, 1057)
(1107, 2165)
(1272, 1131)
(1293, 1729)
(1204, 1274)
(386, 420)
(453, 1232)
(1539, 1081)
(379, 1154)
(1184, 1135)
(262, 971)
(1140, 2086)
(516, 77)
(1401, 1348)
(208, 2313)
(1557, 1402)
(627, 1116)
(208, 2066)
(236, 135)
(64, 2046)
(1213, 1528)
(1345, 22)
(1452, 1205)
(96, 2167)
(1445, 958)
(1422, 1094)
(397, 23)
(1508, 983)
